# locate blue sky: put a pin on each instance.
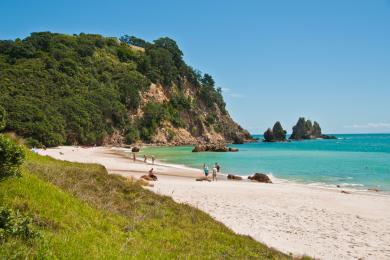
(275, 60)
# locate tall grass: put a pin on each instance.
(83, 212)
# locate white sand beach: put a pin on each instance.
(293, 218)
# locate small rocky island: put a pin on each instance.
(305, 129)
(276, 134)
(213, 148)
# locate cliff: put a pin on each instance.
(89, 89)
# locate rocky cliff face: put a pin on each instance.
(199, 123)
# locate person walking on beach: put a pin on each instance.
(145, 158)
(214, 173)
(133, 157)
(205, 170)
(153, 159)
(217, 166)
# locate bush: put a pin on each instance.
(131, 136)
(11, 157)
(14, 224)
(2, 118)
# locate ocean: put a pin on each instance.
(360, 161)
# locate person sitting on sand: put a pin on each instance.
(152, 175)
(214, 173)
(206, 170)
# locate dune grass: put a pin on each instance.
(83, 212)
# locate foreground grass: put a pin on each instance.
(82, 212)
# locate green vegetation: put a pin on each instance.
(80, 89)
(79, 211)
(11, 157)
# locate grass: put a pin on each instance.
(84, 213)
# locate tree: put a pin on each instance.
(3, 115)
(208, 81)
(11, 157)
(171, 46)
(132, 40)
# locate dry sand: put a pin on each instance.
(293, 218)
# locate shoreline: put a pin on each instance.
(350, 187)
(291, 217)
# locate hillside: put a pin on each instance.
(89, 89)
(79, 211)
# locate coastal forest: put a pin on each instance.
(88, 89)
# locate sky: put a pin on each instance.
(276, 60)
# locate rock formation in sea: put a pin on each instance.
(305, 129)
(276, 134)
(213, 148)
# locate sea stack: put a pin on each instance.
(276, 134)
(305, 129)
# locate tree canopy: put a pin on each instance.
(79, 89)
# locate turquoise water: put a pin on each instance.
(360, 161)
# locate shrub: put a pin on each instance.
(14, 224)
(131, 136)
(11, 157)
(2, 118)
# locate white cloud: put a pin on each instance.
(369, 125)
(230, 93)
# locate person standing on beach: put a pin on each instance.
(153, 159)
(205, 170)
(214, 173)
(133, 157)
(217, 166)
(145, 158)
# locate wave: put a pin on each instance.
(351, 185)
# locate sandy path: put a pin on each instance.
(294, 218)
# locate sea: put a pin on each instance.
(359, 161)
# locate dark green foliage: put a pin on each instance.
(132, 40)
(130, 86)
(79, 89)
(3, 115)
(11, 157)
(131, 135)
(13, 224)
(153, 114)
(209, 95)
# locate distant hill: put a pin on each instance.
(89, 89)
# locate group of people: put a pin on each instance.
(216, 169)
(145, 158)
